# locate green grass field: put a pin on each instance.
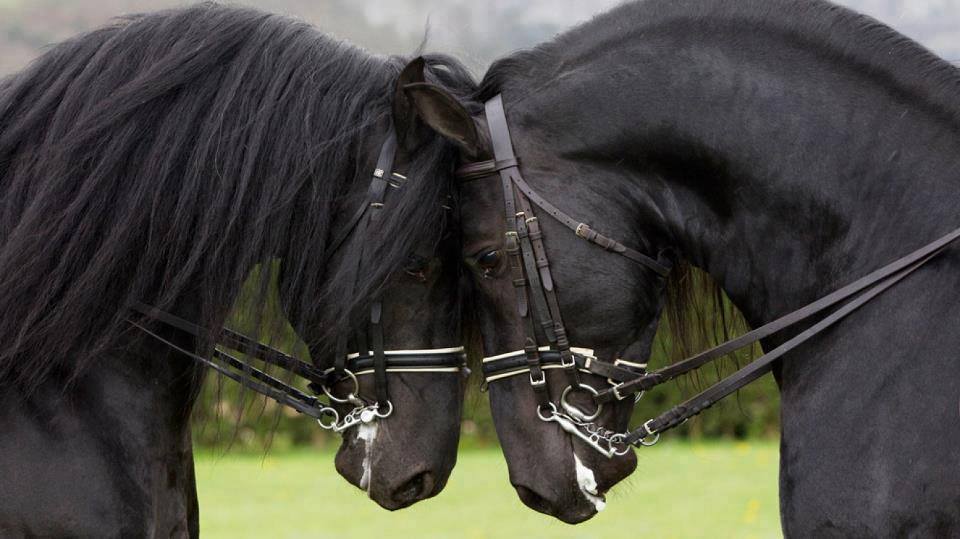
(680, 490)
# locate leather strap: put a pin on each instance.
(526, 285)
(378, 199)
(757, 368)
(670, 372)
(249, 376)
(234, 340)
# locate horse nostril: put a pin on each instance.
(417, 488)
(534, 501)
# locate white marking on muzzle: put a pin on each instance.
(368, 433)
(588, 484)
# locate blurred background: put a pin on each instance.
(732, 449)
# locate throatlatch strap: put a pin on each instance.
(505, 160)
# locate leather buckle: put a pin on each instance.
(512, 241)
(641, 368)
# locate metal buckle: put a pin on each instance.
(639, 366)
(616, 392)
(378, 173)
(571, 363)
(541, 381)
(580, 231)
(656, 436)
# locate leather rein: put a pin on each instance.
(538, 307)
(371, 359)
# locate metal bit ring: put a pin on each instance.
(576, 412)
(351, 396)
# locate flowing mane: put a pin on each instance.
(163, 157)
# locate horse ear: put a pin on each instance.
(445, 115)
(408, 127)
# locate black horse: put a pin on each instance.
(787, 148)
(160, 160)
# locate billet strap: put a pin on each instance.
(536, 262)
(648, 381)
(762, 365)
(536, 285)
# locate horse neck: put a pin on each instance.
(783, 171)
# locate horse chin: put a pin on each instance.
(367, 460)
(578, 489)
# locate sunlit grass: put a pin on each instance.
(680, 490)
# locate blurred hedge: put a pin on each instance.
(228, 416)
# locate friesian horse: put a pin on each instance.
(785, 147)
(160, 160)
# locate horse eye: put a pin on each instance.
(416, 267)
(489, 260)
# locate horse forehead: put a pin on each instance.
(481, 206)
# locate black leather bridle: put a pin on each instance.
(538, 307)
(371, 359)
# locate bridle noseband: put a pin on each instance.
(538, 307)
(373, 359)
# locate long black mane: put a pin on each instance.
(163, 157)
(698, 314)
